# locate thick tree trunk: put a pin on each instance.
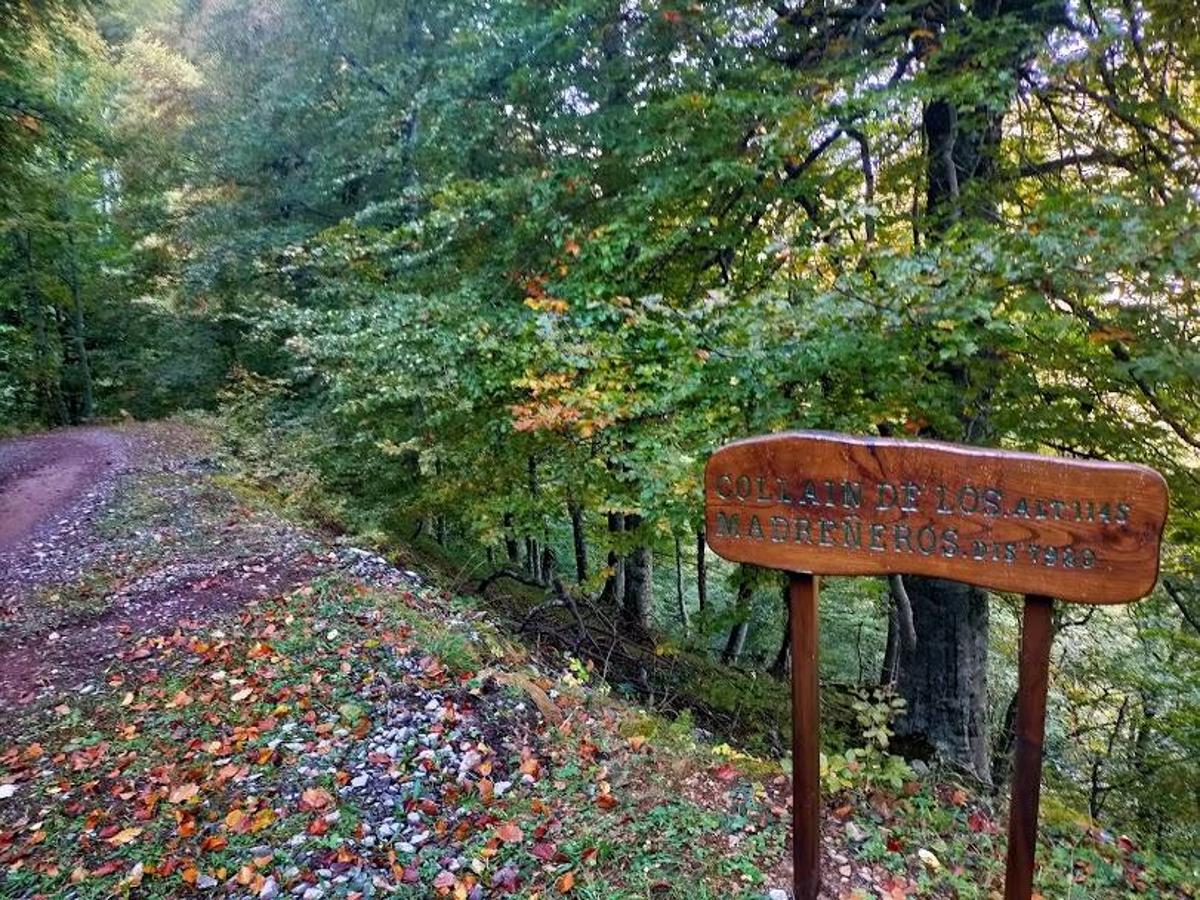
(944, 678)
(578, 539)
(701, 572)
(638, 603)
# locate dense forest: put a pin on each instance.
(493, 279)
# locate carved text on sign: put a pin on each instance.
(839, 505)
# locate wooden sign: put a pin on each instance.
(809, 502)
(815, 503)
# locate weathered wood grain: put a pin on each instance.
(1083, 531)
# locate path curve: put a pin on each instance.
(43, 477)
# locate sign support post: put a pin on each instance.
(813, 503)
(1033, 681)
(806, 737)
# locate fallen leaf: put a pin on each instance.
(184, 793)
(510, 833)
(314, 799)
(124, 836)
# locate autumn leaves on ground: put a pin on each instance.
(202, 698)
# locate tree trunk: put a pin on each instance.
(701, 572)
(77, 332)
(638, 603)
(577, 538)
(737, 634)
(782, 664)
(944, 678)
(532, 560)
(614, 585)
(512, 546)
(53, 409)
(890, 670)
(683, 611)
(548, 565)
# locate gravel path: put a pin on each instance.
(110, 533)
(49, 485)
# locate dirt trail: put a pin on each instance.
(41, 476)
(78, 586)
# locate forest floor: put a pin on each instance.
(200, 696)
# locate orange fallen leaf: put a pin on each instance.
(565, 882)
(510, 833)
(184, 793)
(315, 799)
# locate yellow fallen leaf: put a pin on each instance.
(124, 836)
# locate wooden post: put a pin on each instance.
(1037, 633)
(806, 738)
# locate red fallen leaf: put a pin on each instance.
(510, 833)
(588, 857)
(546, 851)
(979, 822)
(107, 868)
(317, 826)
(725, 772)
(606, 801)
(507, 879)
(894, 845)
